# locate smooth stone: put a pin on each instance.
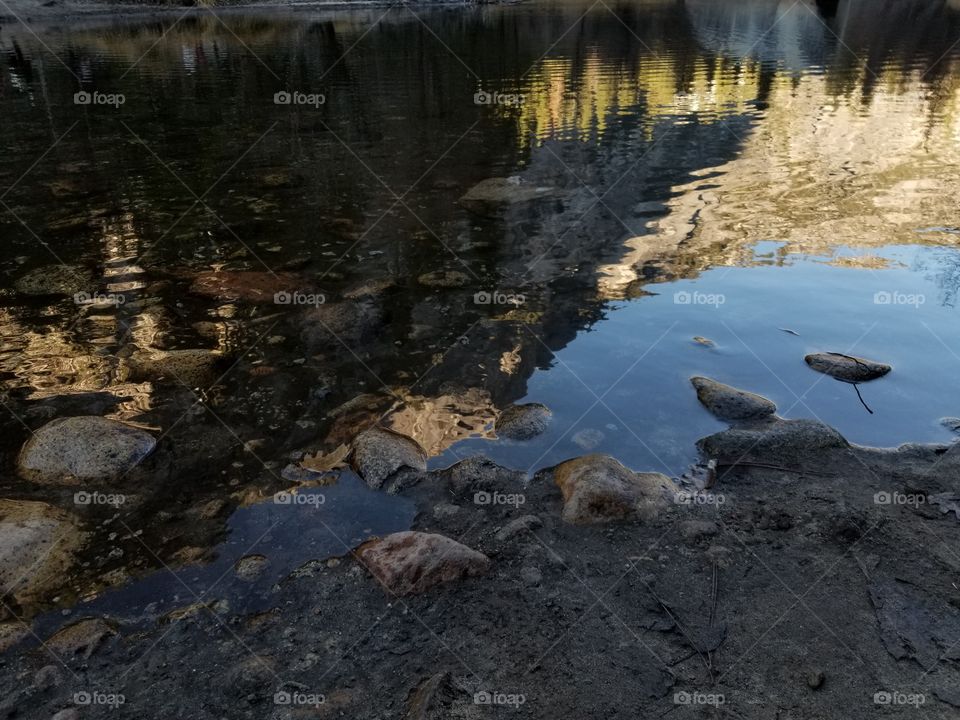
(38, 538)
(776, 441)
(444, 279)
(847, 367)
(411, 562)
(378, 453)
(193, 368)
(730, 404)
(82, 637)
(250, 567)
(56, 280)
(507, 190)
(815, 679)
(597, 488)
(522, 422)
(76, 449)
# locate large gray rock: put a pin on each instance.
(523, 422)
(597, 488)
(847, 367)
(776, 441)
(407, 563)
(730, 404)
(378, 453)
(77, 449)
(37, 547)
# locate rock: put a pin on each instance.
(49, 676)
(37, 546)
(847, 367)
(338, 323)
(518, 526)
(509, 190)
(778, 441)
(531, 575)
(247, 285)
(56, 280)
(82, 637)
(250, 567)
(597, 488)
(444, 279)
(588, 439)
(411, 562)
(694, 530)
(651, 207)
(253, 674)
(193, 368)
(12, 633)
(815, 679)
(67, 714)
(522, 422)
(951, 423)
(914, 624)
(378, 453)
(75, 449)
(431, 698)
(445, 510)
(730, 404)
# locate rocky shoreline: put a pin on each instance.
(791, 575)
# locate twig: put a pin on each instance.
(861, 399)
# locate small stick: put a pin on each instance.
(861, 399)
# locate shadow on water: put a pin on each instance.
(306, 198)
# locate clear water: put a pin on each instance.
(700, 169)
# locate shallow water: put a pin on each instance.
(727, 171)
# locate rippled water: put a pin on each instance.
(776, 178)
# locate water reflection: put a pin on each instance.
(657, 146)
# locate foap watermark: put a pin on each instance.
(498, 498)
(689, 497)
(485, 697)
(296, 297)
(898, 498)
(698, 698)
(284, 697)
(95, 697)
(684, 297)
(99, 299)
(295, 97)
(895, 697)
(894, 297)
(84, 97)
(285, 497)
(495, 297)
(482, 97)
(98, 498)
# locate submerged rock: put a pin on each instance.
(56, 280)
(82, 637)
(597, 488)
(847, 367)
(338, 323)
(411, 562)
(507, 190)
(523, 422)
(951, 423)
(444, 279)
(775, 441)
(730, 404)
(193, 368)
(248, 285)
(250, 567)
(71, 450)
(37, 546)
(378, 453)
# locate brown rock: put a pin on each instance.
(597, 488)
(407, 563)
(82, 637)
(248, 285)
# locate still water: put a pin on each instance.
(771, 178)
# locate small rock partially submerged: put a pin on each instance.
(56, 280)
(730, 404)
(597, 488)
(523, 422)
(508, 190)
(777, 441)
(411, 562)
(247, 285)
(37, 546)
(75, 449)
(378, 453)
(847, 367)
(951, 423)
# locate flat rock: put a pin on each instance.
(378, 453)
(914, 624)
(508, 190)
(444, 279)
(247, 285)
(597, 488)
(76, 449)
(56, 280)
(80, 638)
(776, 441)
(847, 367)
(37, 546)
(523, 422)
(193, 367)
(411, 562)
(730, 404)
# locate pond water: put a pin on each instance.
(422, 215)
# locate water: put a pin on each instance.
(726, 171)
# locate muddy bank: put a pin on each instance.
(784, 582)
